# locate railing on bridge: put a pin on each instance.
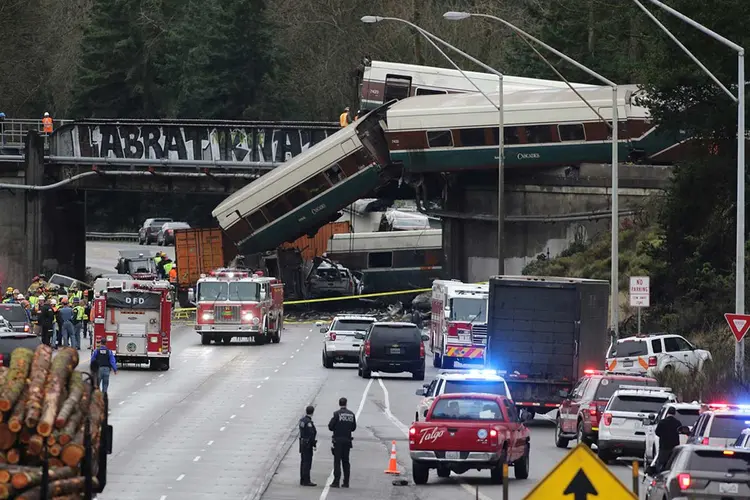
(13, 130)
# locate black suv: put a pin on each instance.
(392, 348)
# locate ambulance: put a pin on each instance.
(134, 318)
(233, 302)
(458, 327)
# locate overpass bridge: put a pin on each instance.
(43, 180)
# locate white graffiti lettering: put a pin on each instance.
(430, 435)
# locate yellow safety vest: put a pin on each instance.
(168, 267)
(344, 119)
(157, 260)
(33, 299)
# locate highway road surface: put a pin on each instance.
(221, 423)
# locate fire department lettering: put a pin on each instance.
(430, 435)
(134, 300)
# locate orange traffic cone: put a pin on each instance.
(392, 465)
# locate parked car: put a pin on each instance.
(150, 228)
(392, 347)
(9, 340)
(463, 432)
(165, 236)
(703, 472)
(461, 382)
(16, 316)
(580, 412)
(340, 344)
(654, 353)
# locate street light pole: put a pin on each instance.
(739, 292)
(614, 270)
(501, 135)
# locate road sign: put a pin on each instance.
(640, 291)
(739, 324)
(580, 476)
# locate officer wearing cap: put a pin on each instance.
(342, 424)
(103, 362)
(307, 444)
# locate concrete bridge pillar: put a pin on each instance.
(40, 230)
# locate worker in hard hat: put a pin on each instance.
(47, 123)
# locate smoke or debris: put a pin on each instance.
(391, 312)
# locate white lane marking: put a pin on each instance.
(327, 487)
(242, 405)
(307, 337)
(222, 429)
(121, 402)
(135, 392)
(233, 416)
(258, 387)
(197, 458)
(250, 396)
(180, 477)
(148, 383)
(297, 350)
(210, 442)
(267, 378)
(291, 356)
(163, 497)
(276, 370)
(283, 363)
(405, 430)
(160, 376)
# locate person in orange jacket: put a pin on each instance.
(47, 123)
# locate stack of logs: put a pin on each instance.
(44, 401)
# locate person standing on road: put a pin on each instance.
(103, 362)
(307, 444)
(46, 319)
(66, 315)
(668, 431)
(342, 424)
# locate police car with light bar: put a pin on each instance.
(720, 425)
(622, 426)
(462, 381)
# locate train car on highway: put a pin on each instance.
(383, 81)
(390, 260)
(306, 192)
(233, 302)
(135, 320)
(552, 127)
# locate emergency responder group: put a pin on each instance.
(165, 267)
(342, 424)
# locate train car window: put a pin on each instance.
(315, 186)
(276, 209)
(571, 132)
(538, 133)
(472, 137)
(440, 139)
(622, 130)
(257, 220)
(433, 258)
(379, 259)
(238, 231)
(409, 258)
(335, 174)
(421, 91)
(510, 135)
(397, 87)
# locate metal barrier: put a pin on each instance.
(112, 236)
(13, 130)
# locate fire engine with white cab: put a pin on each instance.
(458, 329)
(134, 318)
(238, 303)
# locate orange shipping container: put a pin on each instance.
(200, 251)
(318, 244)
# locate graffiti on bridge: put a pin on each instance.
(241, 145)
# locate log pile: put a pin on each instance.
(44, 404)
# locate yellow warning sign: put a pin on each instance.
(580, 476)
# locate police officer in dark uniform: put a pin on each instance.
(342, 424)
(668, 431)
(307, 443)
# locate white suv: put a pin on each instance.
(340, 344)
(622, 428)
(648, 354)
(686, 413)
(461, 381)
(720, 425)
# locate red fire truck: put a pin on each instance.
(238, 303)
(458, 330)
(135, 319)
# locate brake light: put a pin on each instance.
(493, 433)
(593, 412)
(684, 480)
(652, 361)
(421, 350)
(607, 418)
(367, 347)
(26, 327)
(704, 441)
(331, 336)
(589, 371)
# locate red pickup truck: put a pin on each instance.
(469, 431)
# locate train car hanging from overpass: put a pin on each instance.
(383, 81)
(552, 127)
(305, 193)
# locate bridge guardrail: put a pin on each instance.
(112, 236)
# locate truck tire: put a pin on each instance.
(205, 339)
(436, 360)
(366, 373)
(420, 473)
(165, 365)
(226, 339)
(276, 337)
(496, 473)
(560, 441)
(327, 362)
(418, 375)
(581, 437)
(446, 363)
(521, 467)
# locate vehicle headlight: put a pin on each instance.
(207, 316)
(256, 321)
(248, 315)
